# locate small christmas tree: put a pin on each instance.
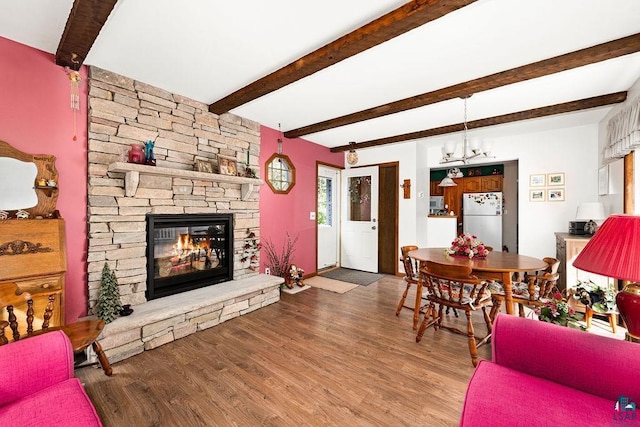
(109, 298)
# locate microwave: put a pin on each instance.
(436, 203)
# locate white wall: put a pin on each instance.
(573, 151)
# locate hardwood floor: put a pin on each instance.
(314, 358)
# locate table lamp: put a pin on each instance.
(614, 251)
(590, 212)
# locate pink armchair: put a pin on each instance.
(544, 374)
(37, 386)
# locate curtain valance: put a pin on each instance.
(623, 132)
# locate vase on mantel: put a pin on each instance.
(136, 154)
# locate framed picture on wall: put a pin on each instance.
(603, 180)
(555, 194)
(536, 195)
(537, 180)
(555, 179)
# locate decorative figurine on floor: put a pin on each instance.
(126, 310)
(22, 214)
(148, 153)
(295, 277)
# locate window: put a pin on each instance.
(281, 174)
(325, 202)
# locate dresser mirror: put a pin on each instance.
(27, 182)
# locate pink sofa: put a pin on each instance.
(544, 374)
(37, 386)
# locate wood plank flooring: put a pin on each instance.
(316, 358)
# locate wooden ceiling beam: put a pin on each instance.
(590, 55)
(86, 19)
(567, 107)
(407, 17)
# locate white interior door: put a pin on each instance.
(327, 217)
(359, 236)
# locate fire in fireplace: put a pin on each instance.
(186, 252)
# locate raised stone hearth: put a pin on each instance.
(167, 319)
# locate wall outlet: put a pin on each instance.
(267, 271)
(312, 215)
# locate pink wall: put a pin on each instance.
(35, 117)
(282, 213)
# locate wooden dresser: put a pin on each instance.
(33, 255)
(568, 246)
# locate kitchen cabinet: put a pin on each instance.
(472, 184)
(491, 183)
(441, 230)
(435, 190)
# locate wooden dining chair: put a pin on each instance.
(532, 292)
(454, 286)
(19, 307)
(411, 279)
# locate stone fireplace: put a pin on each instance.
(125, 199)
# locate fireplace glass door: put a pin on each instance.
(186, 252)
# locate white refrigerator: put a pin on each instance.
(482, 216)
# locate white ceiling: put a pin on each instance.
(207, 49)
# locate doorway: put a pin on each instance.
(388, 218)
(328, 217)
(332, 200)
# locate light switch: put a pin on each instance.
(312, 216)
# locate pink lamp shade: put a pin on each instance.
(614, 251)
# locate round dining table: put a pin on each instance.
(496, 265)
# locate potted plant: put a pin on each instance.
(599, 299)
(279, 262)
(558, 311)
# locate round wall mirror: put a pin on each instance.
(281, 174)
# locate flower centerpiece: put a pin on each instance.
(558, 311)
(468, 245)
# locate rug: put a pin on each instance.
(295, 289)
(330, 284)
(362, 278)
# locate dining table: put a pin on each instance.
(495, 266)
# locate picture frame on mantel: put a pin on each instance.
(227, 165)
(204, 166)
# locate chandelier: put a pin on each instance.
(470, 149)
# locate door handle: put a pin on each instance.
(373, 228)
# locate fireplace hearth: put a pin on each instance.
(188, 251)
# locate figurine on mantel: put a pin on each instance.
(148, 153)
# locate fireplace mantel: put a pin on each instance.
(132, 177)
